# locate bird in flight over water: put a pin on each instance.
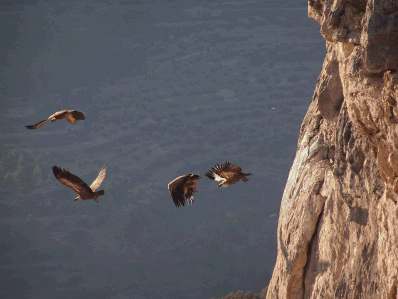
(227, 174)
(83, 190)
(183, 188)
(71, 115)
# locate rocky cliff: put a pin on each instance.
(338, 222)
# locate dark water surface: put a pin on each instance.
(168, 88)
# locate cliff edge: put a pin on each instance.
(338, 222)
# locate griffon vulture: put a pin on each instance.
(71, 115)
(182, 188)
(228, 174)
(83, 190)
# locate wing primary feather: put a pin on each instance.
(70, 180)
(38, 125)
(210, 175)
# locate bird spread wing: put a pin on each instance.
(38, 125)
(74, 116)
(227, 170)
(224, 172)
(95, 185)
(211, 174)
(70, 180)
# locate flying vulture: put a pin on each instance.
(182, 188)
(71, 115)
(228, 174)
(83, 190)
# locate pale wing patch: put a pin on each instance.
(218, 178)
(97, 183)
(59, 115)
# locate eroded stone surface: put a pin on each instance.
(337, 231)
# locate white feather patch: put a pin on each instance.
(218, 178)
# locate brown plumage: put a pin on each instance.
(228, 174)
(83, 190)
(71, 115)
(182, 188)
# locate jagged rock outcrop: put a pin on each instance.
(338, 223)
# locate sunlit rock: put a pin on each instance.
(337, 232)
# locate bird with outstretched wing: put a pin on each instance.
(71, 115)
(74, 182)
(227, 174)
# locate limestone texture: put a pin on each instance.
(338, 222)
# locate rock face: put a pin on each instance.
(338, 222)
